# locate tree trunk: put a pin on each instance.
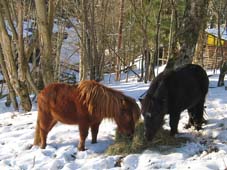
(223, 67)
(157, 37)
(22, 62)
(147, 59)
(83, 68)
(12, 94)
(92, 39)
(59, 41)
(141, 10)
(87, 47)
(119, 42)
(17, 76)
(198, 58)
(223, 71)
(94, 57)
(195, 11)
(171, 30)
(45, 30)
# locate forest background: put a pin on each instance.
(110, 35)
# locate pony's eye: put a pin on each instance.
(124, 111)
(149, 115)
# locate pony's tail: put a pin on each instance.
(37, 139)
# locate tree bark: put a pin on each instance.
(9, 45)
(157, 37)
(195, 11)
(92, 40)
(119, 42)
(85, 51)
(12, 94)
(93, 58)
(223, 71)
(142, 12)
(223, 67)
(45, 30)
(22, 62)
(170, 43)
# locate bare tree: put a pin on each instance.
(12, 95)
(157, 38)
(13, 48)
(119, 42)
(219, 9)
(45, 26)
(91, 27)
(142, 13)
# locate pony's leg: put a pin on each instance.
(94, 132)
(199, 119)
(43, 136)
(44, 130)
(190, 123)
(83, 128)
(174, 120)
(37, 138)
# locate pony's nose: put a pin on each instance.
(130, 135)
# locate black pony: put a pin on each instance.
(172, 92)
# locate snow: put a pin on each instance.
(70, 47)
(204, 150)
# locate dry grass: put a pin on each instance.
(138, 143)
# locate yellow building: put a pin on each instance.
(213, 40)
(212, 57)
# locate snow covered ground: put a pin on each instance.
(206, 149)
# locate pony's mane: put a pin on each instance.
(100, 99)
(134, 108)
(154, 90)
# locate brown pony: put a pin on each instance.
(85, 104)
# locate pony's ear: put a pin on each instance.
(148, 114)
(161, 91)
(123, 102)
(127, 100)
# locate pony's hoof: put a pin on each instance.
(93, 142)
(173, 133)
(198, 128)
(81, 148)
(43, 146)
(187, 126)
